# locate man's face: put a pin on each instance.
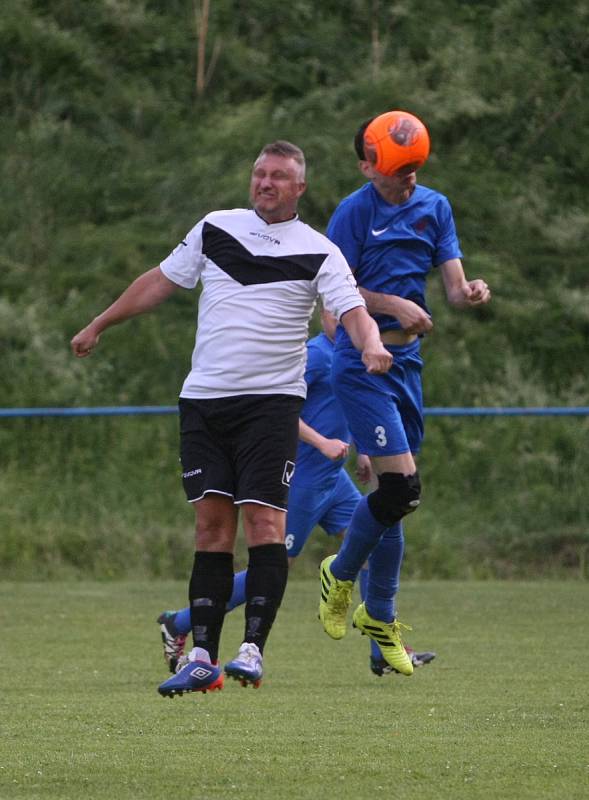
(276, 184)
(397, 187)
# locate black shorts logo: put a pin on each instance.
(289, 469)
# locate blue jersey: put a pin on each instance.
(392, 248)
(322, 411)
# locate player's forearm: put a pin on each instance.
(310, 435)
(333, 449)
(456, 298)
(365, 336)
(145, 293)
(455, 283)
(380, 303)
(361, 328)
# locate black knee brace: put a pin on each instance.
(397, 495)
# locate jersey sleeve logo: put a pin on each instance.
(179, 247)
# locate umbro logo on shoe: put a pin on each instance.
(201, 673)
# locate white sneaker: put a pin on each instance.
(247, 666)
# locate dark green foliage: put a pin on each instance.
(109, 154)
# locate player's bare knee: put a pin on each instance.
(397, 495)
(263, 525)
(213, 538)
(264, 534)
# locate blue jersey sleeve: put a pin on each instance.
(347, 229)
(447, 244)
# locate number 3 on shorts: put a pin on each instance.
(381, 436)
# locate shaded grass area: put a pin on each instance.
(501, 712)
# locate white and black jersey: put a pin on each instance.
(259, 287)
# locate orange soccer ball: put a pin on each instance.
(394, 140)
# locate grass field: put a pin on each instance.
(501, 713)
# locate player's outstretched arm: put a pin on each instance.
(363, 331)
(461, 292)
(146, 292)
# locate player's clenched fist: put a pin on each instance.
(84, 342)
(377, 361)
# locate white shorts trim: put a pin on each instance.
(260, 503)
(209, 491)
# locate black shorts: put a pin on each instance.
(243, 447)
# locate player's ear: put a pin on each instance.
(366, 169)
(302, 188)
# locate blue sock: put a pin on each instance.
(384, 567)
(182, 621)
(182, 618)
(363, 582)
(361, 538)
(238, 595)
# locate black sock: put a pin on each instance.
(210, 588)
(267, 573)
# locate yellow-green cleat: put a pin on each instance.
(336, 599)
(387, 635)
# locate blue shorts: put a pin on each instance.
(384, 412)
(332, 509)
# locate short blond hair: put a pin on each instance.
(285, 149)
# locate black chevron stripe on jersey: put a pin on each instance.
(248, 269)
